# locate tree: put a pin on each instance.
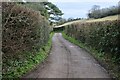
(61, 21)
(54, 12)
(96, 12)
(95, 7)
(47, 9)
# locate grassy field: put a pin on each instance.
(115, 17)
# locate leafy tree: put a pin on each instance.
(96, 12)
(61, 21)
(47, 9)
(38, 6)
(54, 12)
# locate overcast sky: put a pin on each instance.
(79, 8)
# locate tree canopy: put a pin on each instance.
(54, 12)
(47, 9)
(96, 12)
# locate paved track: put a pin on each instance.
(67, 60)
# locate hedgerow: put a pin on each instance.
(101, 36)
(23, 31)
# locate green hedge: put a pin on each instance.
(102, 36)
(23, 30)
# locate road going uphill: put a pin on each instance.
(67, 60)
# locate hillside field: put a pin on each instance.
(115, 17)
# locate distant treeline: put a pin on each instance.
(73, 19)
(63, 20)
(96, 12)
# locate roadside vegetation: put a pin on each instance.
(100, 35)
(106, 61)
(27, 30)
(24, 62)
(26, 36)
(100, 38)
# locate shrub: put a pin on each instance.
(23, 30)
(102, 36)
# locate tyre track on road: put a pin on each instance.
(67, 60)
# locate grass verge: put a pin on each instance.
(26, 62)
(105, 60)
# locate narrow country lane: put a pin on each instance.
(67, 60)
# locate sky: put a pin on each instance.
(80, 8)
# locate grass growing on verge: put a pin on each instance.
(105, 60)
(18, 67)
(73, 40)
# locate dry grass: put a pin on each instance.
(115, 17)
(110, 18)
